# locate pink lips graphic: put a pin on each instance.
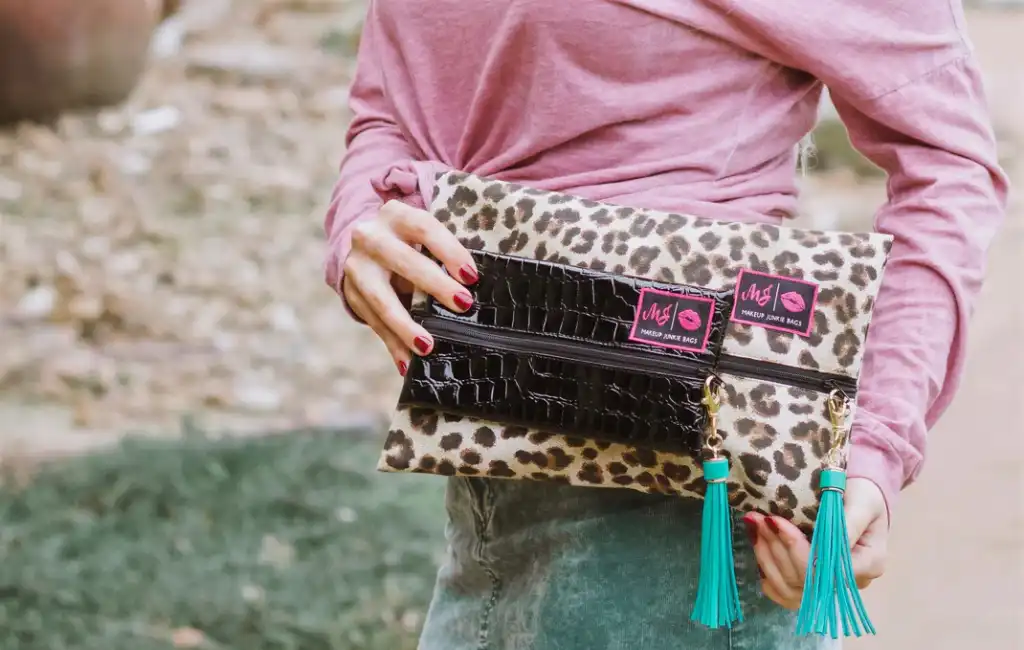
(793, 301)
(688, 319)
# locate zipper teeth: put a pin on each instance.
(652, 362)
(580, 352)
(795, 377)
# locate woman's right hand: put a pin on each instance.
(384, 262)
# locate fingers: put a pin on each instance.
(396, 348)
(798, 548)
(868, 527)
(376, 241)
(782, 554)
(777, 597)
(420, 227)
(371, 284)
(792, 564)
(384, 258)
(863, 504)
(869, 554)
(780, 561)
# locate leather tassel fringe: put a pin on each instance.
(718, 600)
(831, 600)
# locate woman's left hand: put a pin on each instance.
(782, 549)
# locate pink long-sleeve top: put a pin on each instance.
(696, 106)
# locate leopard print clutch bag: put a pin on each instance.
(614, 347)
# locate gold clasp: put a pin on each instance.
(712, 402)
(838, 414)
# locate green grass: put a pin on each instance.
(280, 543)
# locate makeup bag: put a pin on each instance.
(615, 347)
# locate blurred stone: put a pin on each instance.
(346, 515)
(284, 318)
(251, 62)
(253, 594)
(37, 304)
(156, 120)
(257, 397)
(168, 38)
(9, 190)
(276, 553)
(188, 638)
(63, 55)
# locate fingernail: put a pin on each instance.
(463, 300)
(403, 368)
(422, 344)
(468, 274)
(771, 524)
(751, 530)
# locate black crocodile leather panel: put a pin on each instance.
(572, 303)
(620, 405)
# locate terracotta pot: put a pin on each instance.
(61, 55)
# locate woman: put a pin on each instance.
(692, 107)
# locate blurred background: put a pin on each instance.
(188, 422)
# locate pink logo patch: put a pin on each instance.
(673, 320)
(775, 302)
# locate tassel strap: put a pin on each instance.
(718, 601)
(831, 598)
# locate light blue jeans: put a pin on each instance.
(542, 566)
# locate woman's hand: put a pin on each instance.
(384, 263)
(782, 550)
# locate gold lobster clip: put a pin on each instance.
(712, 402)
(838, 414)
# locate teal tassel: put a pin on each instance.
(718, 600)
(831, 597)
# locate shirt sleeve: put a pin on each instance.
(374, 144)
(905, 83)
(947, 199)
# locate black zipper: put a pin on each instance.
(652, 362)
(821, 382)
(572, 351)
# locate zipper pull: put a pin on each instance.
(838, 404)
(831, 601)
(718, 602)
(712, 402)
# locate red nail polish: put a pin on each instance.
(771, 524)
(751, 530)
(468, 274)
(422, 344)
(463, 300)
(403, 368)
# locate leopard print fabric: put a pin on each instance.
(774, 435)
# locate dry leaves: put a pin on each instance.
(164, 257)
